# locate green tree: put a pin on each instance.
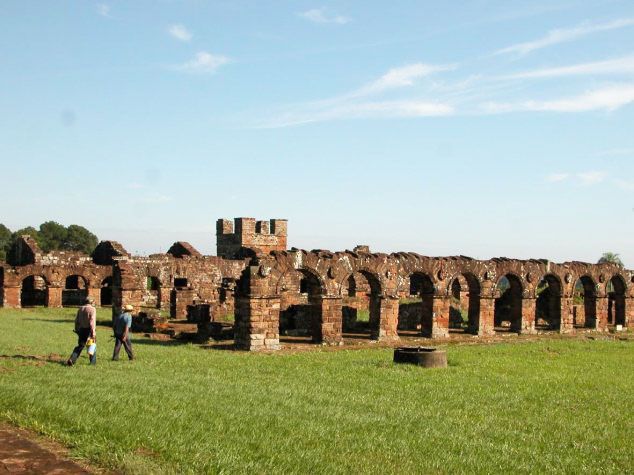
(612, 258)
(52, 236)
(79, 238)
(5, 241)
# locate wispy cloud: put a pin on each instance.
(623, 65)
(362, 110)
(624, 184)
(617, 152)
(401, 77)
(583, 178)
(563, 35)
(355, 104)
(318, 15)
(103, 9)
(591, 177)
(155, 198)
(203, 63)
(557, 177)
(135, 186)
(179, 32)
(608, 98)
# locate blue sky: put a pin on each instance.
(484, 128)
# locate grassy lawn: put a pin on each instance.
(557, 405)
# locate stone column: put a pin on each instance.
(12, 297)
(384, 318)
(486, 322)
(440, 316)
(602, 313)
(566, 323)
(331, 320)
(527, 325)
(54, 297)
(257, 323)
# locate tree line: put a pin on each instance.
(51, 236)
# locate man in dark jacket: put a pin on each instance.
(121, 327)
(85, 327)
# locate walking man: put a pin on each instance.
(121, 327)
(85, 327)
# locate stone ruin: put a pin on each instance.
(325, 297)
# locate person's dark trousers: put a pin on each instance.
(82, 337)
(127, 345)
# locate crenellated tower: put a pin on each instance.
(233, 236)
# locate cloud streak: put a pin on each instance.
(355, 104)
(103, 10)
(616, 66)
(587, 178)
(203, 63)
(564, 35)
(319, 16)
(609, 98)
(401, 77)
(180, 33)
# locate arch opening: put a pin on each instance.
(153, 292)
(75, 291)
(300, 307)
(105, 293)
(34, 291)
(415, 309)
(361, 306)
(464, 310)
(584, 303)
(616, 301)
(548, 304)
(507, 316)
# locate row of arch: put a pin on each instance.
(361, 291)
(34, 291)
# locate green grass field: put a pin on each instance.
(556, 405)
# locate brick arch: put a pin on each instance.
(374, 280)
(548, 303)
(586, 315)
(31, 291)
(469, 292)
(616, 290)
(508, 312)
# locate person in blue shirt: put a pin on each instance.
(121, 327)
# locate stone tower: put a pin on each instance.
(267, 236)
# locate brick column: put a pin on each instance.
(602, 313)
(486, 322)
(440, 316)
(566, 323)
(12, 297)
(257, 323)
(527, 325)
(629, 313)
(54, 297)
(165, 299)
(384, 318)
(329, 331)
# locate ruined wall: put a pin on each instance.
(432, 280)
(169, 284)
(266, 236)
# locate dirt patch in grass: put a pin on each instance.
(24, 452)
